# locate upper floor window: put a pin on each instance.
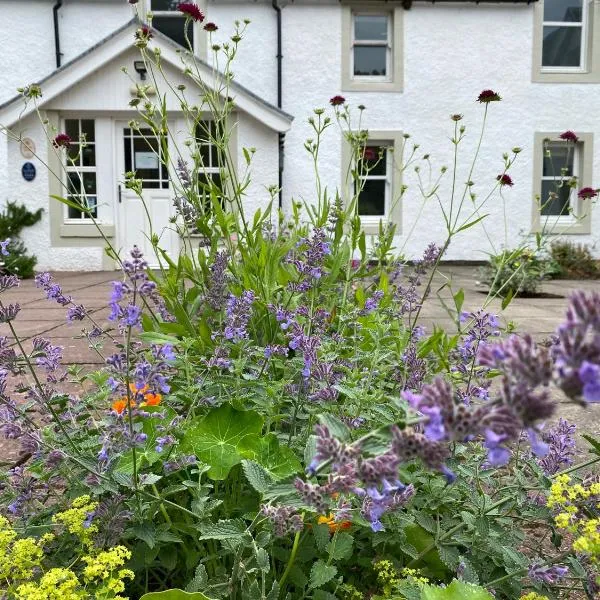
(566, 34)
(81, 169)
(167, 19)
(565, 28)
(372, 48)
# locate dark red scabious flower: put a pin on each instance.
(505, 179)
(133, 1)
(568, 136)
(369, 154)
(62, 140)
(337, 100)
(587, 192)
(143, 33)
(189, 9)
(488, 96)
(210, 27)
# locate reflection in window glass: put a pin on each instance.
(563, 10)
(371, 27)
(370, 60)
(564, 27)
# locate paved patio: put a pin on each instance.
(538, 316)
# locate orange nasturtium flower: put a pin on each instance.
(151, 400)
(134, 389)
(332, 524)
(120, 405)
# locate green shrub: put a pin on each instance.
(517, 272)
(12, 221)
(573, 261)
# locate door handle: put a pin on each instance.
(120, 200)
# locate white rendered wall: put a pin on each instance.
(27, 50)
(451, 53)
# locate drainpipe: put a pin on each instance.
(55, 10)
(277, 8)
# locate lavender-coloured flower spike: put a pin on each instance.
(52, 289)
(309, 259)
(8, 281)
(549, 575)
(577, 349)
(9, 312)
(4, 247)
(561, 447)
(238, 312)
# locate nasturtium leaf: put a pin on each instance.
(279, 461)
(321, 573)
(174, 595)
(218, 438)
(457, 590)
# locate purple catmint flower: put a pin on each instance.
(374, 508)
(309, 259)
(52, 289)
(133, 315)
(237, 315)
(76, 313)
(217, 282)
(549, 575)
(183, 172)
(8, 281)
(372, 303)
(498, 455)
(312, 494)
(9, 312)
(589, 375)
(161, 442)
(4, 247)
(561, 447)
(285, 519)
(179, 463)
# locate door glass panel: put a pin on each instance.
(143, 156)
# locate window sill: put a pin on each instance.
(362, 85)
(370, 226)
(87, 230)
(541, 76)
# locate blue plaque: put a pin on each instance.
(28, 171)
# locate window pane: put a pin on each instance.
(371, 27)
(372, 198)
(146, 161)
(165, 4)
(88, 155)
(562, 47)
(87, 128)
(89, 183)
(374, 158)
(370, 60)
(73, 213)
(174, 27)
(555, 199)
(73, 184)
(563, 10)
(73, 154)
(561, 157)
(72, 129)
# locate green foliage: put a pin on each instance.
(573, 261)
(174, 595)
(12, 221)
(517, 272)
(457, 590)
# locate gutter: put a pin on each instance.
(55, 10)
(279, 56)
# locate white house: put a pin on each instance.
(411, 64)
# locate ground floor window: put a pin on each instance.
(373, 185)
(81, 169)
(562, 166)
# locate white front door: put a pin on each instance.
(139, 151)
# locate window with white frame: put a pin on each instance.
(81, 169)
(565, 34)
(374, 181)
(560, 168)
(371, 52)
(210, 158)
(167, 19)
